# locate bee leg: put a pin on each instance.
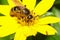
(19, 19)
(12, 14)
(18, 22)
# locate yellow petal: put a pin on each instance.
(5, 9)
(20, 36)
(11, 3)
(16, 2)
(30, 4)
(45, 29)
(49, 20)
(43, 6)
(8, 26)
(23, 33)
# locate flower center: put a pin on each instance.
(23, 15)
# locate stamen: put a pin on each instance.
(21, 0)
(25, 5)
(49, 24)
(0, 25)
(34, 13)
(46, 33)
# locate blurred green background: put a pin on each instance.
(54, 11)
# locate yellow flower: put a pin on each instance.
(9, 24)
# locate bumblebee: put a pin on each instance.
(22, 13)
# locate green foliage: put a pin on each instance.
(57, 2)
(2, 14)
(3, 2)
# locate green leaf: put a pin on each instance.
(57, 2)
(57, 27)
(9, 37)
(38, 36)
(56, 13)
(3, 2)
(37, 2)
(30, 38)
(2, 14)
(55, 37)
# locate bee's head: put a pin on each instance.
(29, 17)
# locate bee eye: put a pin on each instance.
(26, 11)
(16, 8)
(30, 17)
